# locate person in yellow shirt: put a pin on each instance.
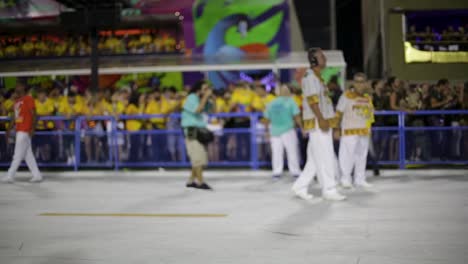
(297, 96)
(156, 105)
(70, 108)
(94, 146)
(27, 47)
(60, 48)
(8, 103)
(242, 98)
(113, 45)
(4, 154)
(222, 101)
(44, 143)
(145, 38)
(40, 47)
(259, 104)
(216, 124)
(44, 107)
(169, 43)
(171, 103)
(241, 102)
(55, 97)
(158, 44)
(262, 98)
(135, 125)
(119, 104)
(11, 50)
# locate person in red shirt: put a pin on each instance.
(25, 121)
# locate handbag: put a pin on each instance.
(204, 136)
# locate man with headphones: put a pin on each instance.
(318, 119)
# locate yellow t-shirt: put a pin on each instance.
(11, 50)
(298, 99)
(118, 108)
(66, 109)
(72, 48)
(106, 107)
(93, 110)
(169, 44)
(133, 43)
(112, 44)
(243, 97)
(221, 105)
(158, 44)
(260, 103)
(169, 106)
(135, 124)
(60, 49)
(41, 48)
(46, 108)
(28, 48)
(156, 108)
(145, 39)
(9, 105)
(70, 110)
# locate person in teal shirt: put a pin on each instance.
(281, 114)
(192, 119)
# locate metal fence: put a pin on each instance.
(422, 137)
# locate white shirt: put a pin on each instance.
(313, 87)
(358, 112)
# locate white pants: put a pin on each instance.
(321, 159)
(289, 142)
(353, 154)
(23, 151)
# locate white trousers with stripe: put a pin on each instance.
(23, 151)
(321, 160)
(287, 141)
(353, 155)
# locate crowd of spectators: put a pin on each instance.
(449, 39)
(135, 144)
(395, 94)
(110, 43)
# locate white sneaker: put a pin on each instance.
(35, 179)
(346, 185)
(306, 196)
(7, 179)
(334, 196)
(364, 185)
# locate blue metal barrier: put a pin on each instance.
(112, 137)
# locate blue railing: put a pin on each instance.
(74, 141)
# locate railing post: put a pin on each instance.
(253, 141)
(77, 143)
(114, 141)
(402, 137)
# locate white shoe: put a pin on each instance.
(364, 185)
(346, 185)
(7, 179)
(35, 179)
(306, 196)
(333, 196)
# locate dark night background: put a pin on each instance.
(314, 19)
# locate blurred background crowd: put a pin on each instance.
(450, 38)
(137, 140)
(138, 41)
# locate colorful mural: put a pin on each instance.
(238, 29)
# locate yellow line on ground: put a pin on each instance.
(134, 215)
